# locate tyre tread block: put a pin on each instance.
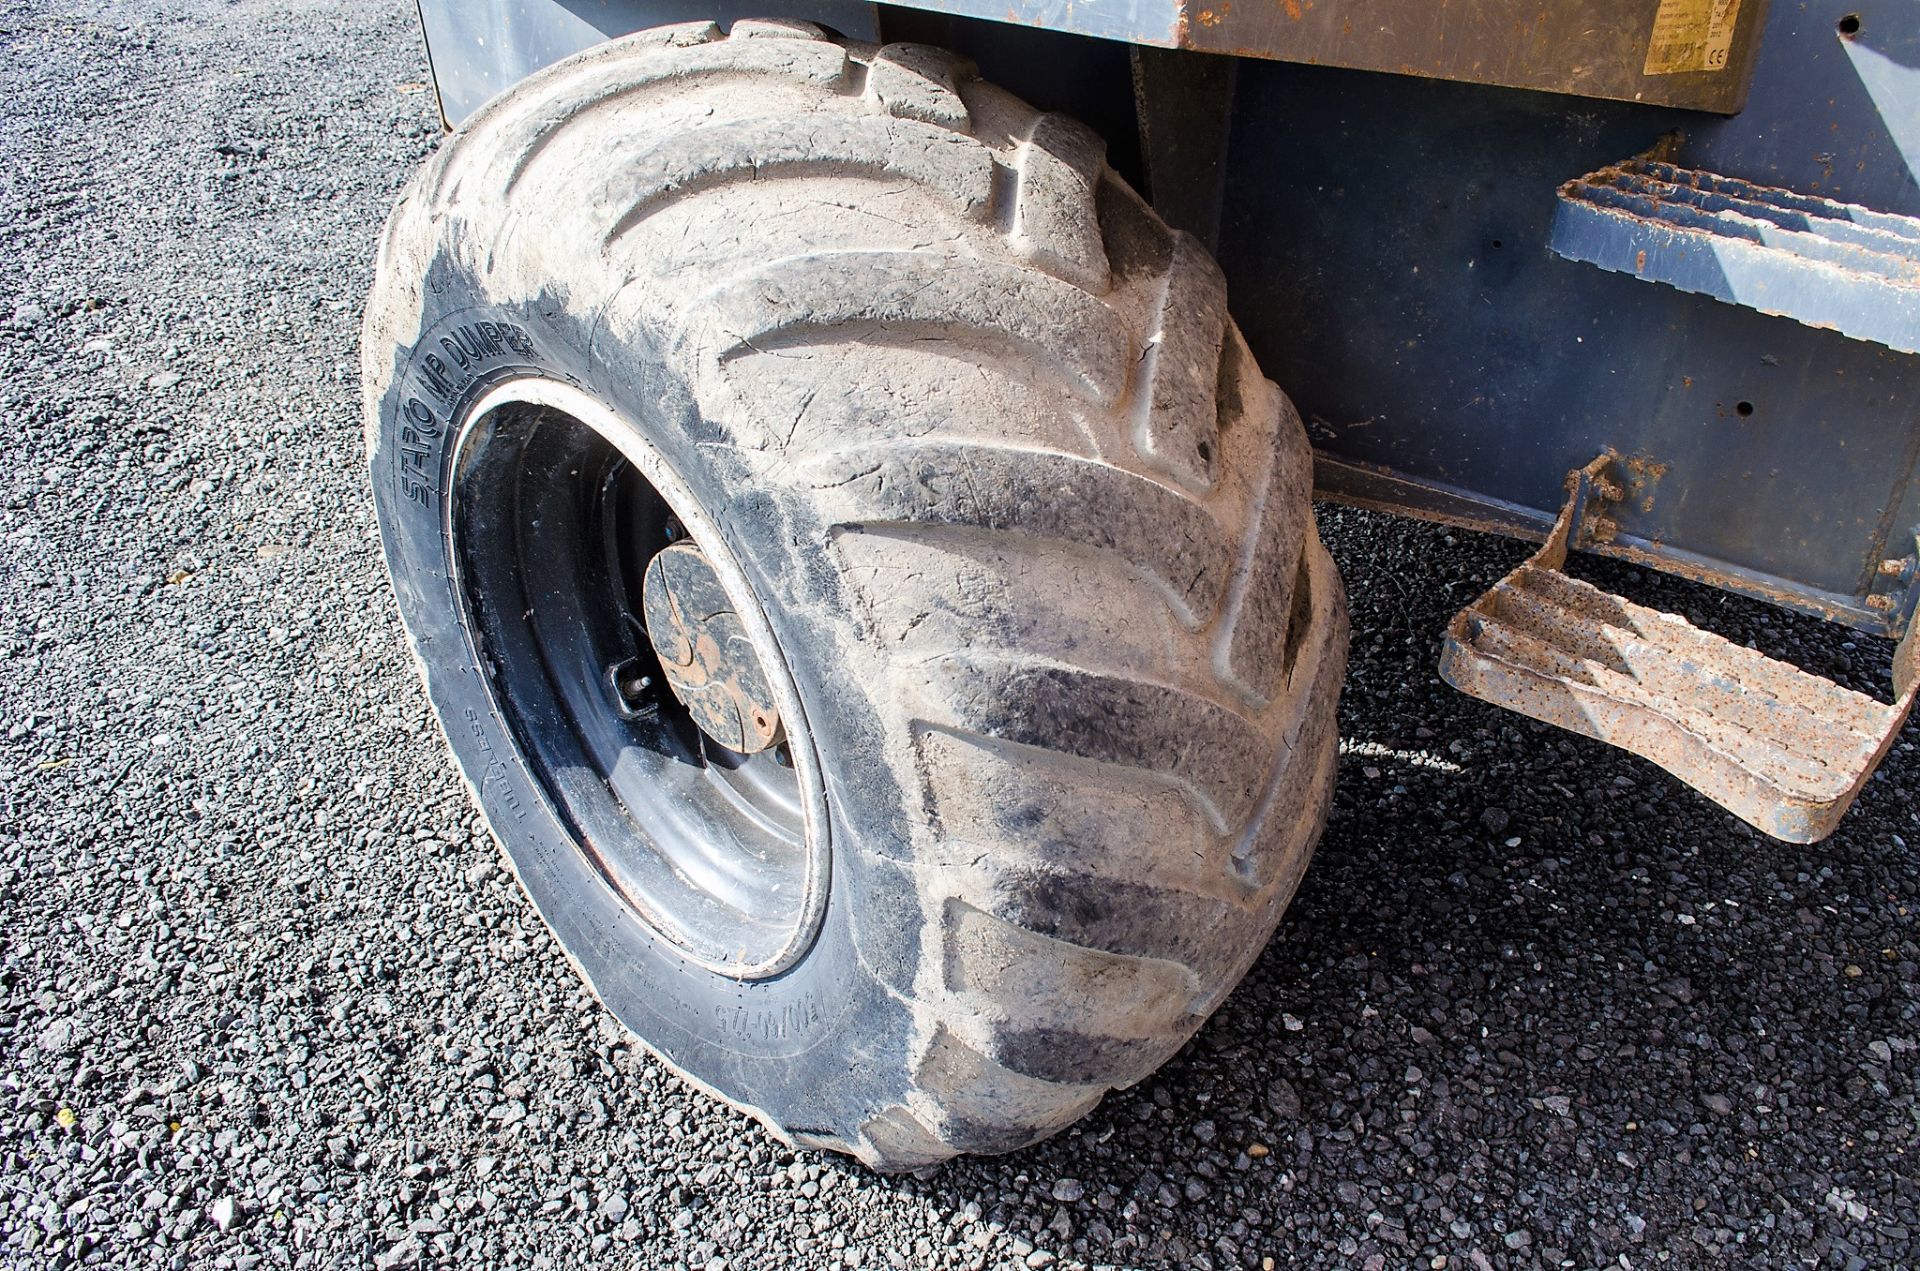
(1272, 604)
(1039, 497)
(1058, 167)
(646, 172)
(918, 81)
(848, 295)
(1178, 432)
(499, 147)
(1154, 727)
(775, 29)
(1021, 979)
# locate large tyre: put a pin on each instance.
(985, 479)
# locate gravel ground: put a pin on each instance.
(267, 1000)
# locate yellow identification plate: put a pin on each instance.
(1691, 35)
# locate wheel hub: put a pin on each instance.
(705, 653)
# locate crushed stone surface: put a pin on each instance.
(265, 1000)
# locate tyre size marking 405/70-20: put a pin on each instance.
(470, 350)
(497, 776)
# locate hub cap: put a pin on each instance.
(705, 653)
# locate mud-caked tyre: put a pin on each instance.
(1010, 538)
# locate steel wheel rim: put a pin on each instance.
(557, 506)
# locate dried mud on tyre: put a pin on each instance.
(1029, 531)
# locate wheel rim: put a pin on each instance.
(557, 510)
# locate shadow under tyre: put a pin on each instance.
(861, 572)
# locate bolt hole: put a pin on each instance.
(1743, 409)
(1497, 244)
(1849, 26)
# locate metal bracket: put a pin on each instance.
(1183, 103)
(1576, 526)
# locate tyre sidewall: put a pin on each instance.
(818, 1047)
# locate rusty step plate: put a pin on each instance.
(1781, 749)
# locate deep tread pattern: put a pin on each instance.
(989, 1102)
(1017, 602)
(1069, 810)
(506, 144)
(1112, 721)
(1271, 608)
(898, 389)
(1081, 588)
(1116, 916)
(1082, 990)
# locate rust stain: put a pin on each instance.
(1643, 468)
(1293, 9)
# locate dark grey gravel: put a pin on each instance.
(266, 1002)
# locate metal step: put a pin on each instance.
(1783, 750)
(1823, 263)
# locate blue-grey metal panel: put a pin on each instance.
(1833, 112)
(1386, 249)
(482, 47)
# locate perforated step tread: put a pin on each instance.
(1784, 750)
(1821, 262)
